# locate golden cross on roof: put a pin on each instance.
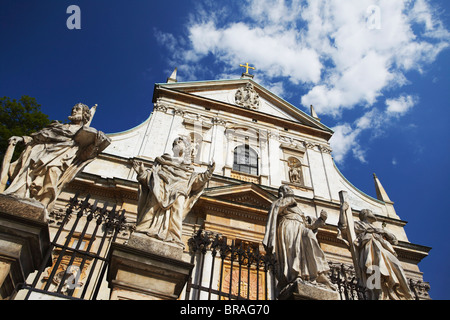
(246, 66)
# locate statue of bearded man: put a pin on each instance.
(53, 156)
(168, 191)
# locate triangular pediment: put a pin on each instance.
(234, 92)
(246, 194)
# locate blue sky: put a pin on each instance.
(376, 72)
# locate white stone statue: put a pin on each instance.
(380, 269)
(53, 156)
(167, 193)
(291, 238)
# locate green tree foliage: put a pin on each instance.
(19, 118)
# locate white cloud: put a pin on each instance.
(346, 136)
(400, 105)
(274, 11)
(427, 15)
(276, 52)
(345, 140)
(359, 84)
(346, 54)
(366, 61)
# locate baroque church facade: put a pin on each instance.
(258, 142)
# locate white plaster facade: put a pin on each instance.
(276, 132)
(235, 204)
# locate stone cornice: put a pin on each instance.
(404, 250)
(114, 188)
(230, 84)
(161, 91)
(232, 209)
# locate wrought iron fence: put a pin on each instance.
(241, 274)
(72, 257)
(224, 269)
(244, 273)
(343, 276)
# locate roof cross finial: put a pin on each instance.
(246, 66)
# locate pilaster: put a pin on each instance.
(24, 239)
(274, 159)
(147, 269)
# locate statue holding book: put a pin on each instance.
(52, 157)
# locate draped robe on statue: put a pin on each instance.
(294, 245)
(167, 193)
(376, 253)
(51, 159)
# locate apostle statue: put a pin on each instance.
(379, 268)
(291, 238)
(53, 156)
(168, 191)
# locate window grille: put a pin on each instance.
(245, 160)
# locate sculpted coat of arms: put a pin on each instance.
(247, 97)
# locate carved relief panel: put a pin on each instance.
(295, 163)
(295, 171)
(247, 97)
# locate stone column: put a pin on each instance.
(175, 129)
(157, 134)
(229, 156)
(264, 151)
(24, 240)
(147, 269)
(274, 159)
(318, 175)
(218, 152)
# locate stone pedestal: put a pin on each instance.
(302, 290)
(24, 240)
(147, 269)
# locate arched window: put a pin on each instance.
(245, 160)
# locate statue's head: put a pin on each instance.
(81, 114)
(284, 190)
(323, 215)
(367, 215)
(181, 148)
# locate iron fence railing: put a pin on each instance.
(239, 263)
(224, 269)
(249, 274)
(73, 256)
(343, 276)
